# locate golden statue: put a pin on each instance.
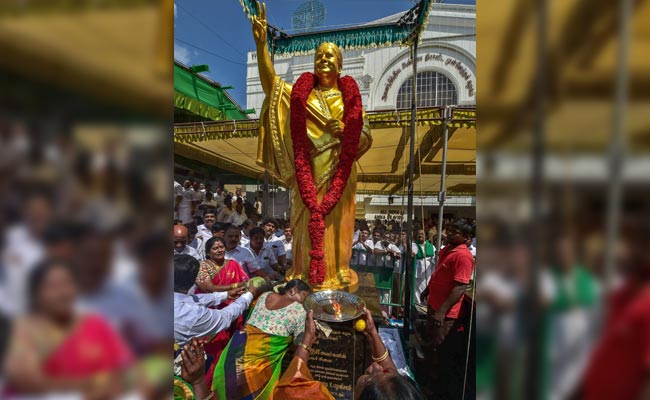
(324, 115)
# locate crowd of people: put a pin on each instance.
(219, 256)
(85, 282)
(582, 323)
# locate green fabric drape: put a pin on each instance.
(362, 37)
(197, 107)
(194, 94)
(359, 38)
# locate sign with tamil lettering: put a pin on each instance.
(454, 66)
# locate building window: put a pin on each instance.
(434, 89)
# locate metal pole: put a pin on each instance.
(442, 194)
(408, 257)
(265, 196)
(532, 320)
(617, 146)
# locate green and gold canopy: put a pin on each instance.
(232, 145)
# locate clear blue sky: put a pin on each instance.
(217, 32)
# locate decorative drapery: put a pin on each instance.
(400, 32)
(461, 117)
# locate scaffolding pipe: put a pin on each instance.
(408, 256)
(532, 319)
(442, 194)
(617, 146)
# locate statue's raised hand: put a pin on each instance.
(259, 24)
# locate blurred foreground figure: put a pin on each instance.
(620, 365)
(23, 248)
(56, 350)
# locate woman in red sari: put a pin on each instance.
(54, 349)
(218, 274)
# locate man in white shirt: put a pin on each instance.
(193, 317)
(386, 253)
(363, 247)
(265, 258)
(270, 226)
(287, 242)
(186, 205)
(180, 242)
(239, 216)
(423, 253)
(258, 206)
(198, 199)
(357, 230)
(178, 197)
(242, 255)
(205, 230)
(246, 228)
(471, 244)
(226, 210)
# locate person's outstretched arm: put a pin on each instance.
(377, 347)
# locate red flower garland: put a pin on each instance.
(353, 120)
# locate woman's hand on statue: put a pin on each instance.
(259, 24)
(335, 126)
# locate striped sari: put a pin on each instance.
(250, 365)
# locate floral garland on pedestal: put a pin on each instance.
(353, 120)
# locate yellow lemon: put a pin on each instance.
(360, 325)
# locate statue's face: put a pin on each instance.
(326, 60)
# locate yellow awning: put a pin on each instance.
(121, 54)
(232, 145)
(581, 74)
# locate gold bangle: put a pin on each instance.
(233, 286)
(304, 346)
(381, 358)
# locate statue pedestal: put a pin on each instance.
(350, 287)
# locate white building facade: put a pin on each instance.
(446, 67)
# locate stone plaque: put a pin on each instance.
(338, 360)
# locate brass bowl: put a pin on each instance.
(334, 305)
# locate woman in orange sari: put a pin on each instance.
(218, 274)
(54, 349)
